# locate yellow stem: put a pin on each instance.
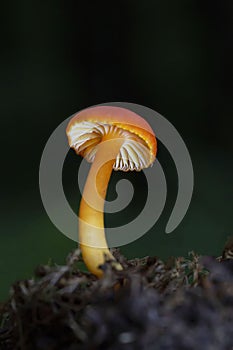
(91, 217)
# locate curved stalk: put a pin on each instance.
(91, 213)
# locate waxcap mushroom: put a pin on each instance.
(86, 129)
(110, 138)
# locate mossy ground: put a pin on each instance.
(181, 304)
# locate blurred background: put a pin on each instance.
(58, 57)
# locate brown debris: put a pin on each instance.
(180, 304)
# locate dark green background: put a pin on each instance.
(58, 57)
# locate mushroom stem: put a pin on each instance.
(91, 217)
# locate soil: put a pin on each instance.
(181, 304)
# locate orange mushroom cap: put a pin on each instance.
(87, 128)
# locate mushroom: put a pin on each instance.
(109, 138)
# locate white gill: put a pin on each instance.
(133, 155)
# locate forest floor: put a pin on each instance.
(181, 304)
